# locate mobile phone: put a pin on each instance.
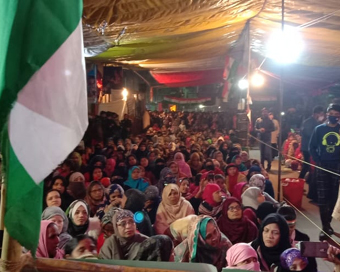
(314, 249)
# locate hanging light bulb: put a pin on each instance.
(257, 79)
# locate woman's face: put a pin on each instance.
(115, 195)
(178, 157)
(144, 162)
(80, 216)
(108, 230)
(184, 187)
(135, 174)
(271, 235)
(217, 196)
(244, 157)
(126, 227)
(97, 192)
(97, 174)
(75, 158)
(152, 156)
(219, 157)
(213, 235)
(59, 185)
(59, 221)
(174, 197)
(174, 168)
(132, 161)
(53, 199)
(85, 247)
(231, 171)
(234, 211)
(225, 147)
(238, 161)
(298, 265)
(52, 240)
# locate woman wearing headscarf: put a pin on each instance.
(172, 207)
(238, 162)
(195, 163)
(152, 202)
(233, 177)
(159, 165)
(259, 181)
(48, 241)
(60, 183)
(166, 177)
(131, 161)
(144, 161)
(252, 198)
(114, 195)
(272, 240)
(245, 159)
(76, 187)
(95, 197)
(57, 215)
(224, 150)
(242, 256)
(158, 248)
(195, 197)
(176, 172)
(210, 167)
(268, 186)
(239, 189)
(125, 243)
(212, 201)
(234, 225)
(233, 151)
(292, 260)
(79, 220)
(182, 165)
(205, 244)
(134, 181)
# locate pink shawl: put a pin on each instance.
(167, 213)
(42, 251)
(182, 165)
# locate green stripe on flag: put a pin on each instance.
(32, 31)
(39, 28)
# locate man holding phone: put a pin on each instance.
(324, 147)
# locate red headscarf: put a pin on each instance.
(232, 179)
(208, 193)
(237, 192)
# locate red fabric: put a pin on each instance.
(100, 241)
(186, 79)
(208, 193)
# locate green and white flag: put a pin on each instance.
(43, 107)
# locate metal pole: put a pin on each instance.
(280, 109)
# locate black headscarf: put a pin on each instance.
(159, 167)
(66, 199)
(73, 229)
(157, 248)
(271, 255)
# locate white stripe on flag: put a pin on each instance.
(50, 116)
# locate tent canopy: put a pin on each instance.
(185, 36)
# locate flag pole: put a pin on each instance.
(11, 249)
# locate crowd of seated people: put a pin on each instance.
(190, 196)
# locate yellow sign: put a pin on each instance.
(173, 108)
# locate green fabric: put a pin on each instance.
(31, 32)
(201, 229)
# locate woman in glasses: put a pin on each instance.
(234, 225)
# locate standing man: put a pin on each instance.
(264, 126)
(324, 147)
(275, 134)
(307, 129)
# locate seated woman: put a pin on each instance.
(245, 159)
(172, 207)
(268, 188)
(57, 215)
(182, 165)
(212, 201)
(134, 181)
(114, 195)
(176, 172)
(79, 220)
(95, 197)
(52, 198)
(48, 241)
(252, 198)
(76, 187)
(239, 189)
(258, 181)
(158, 248)
(152, 202)
(210, 167)
(233, 177)
(144, 161)
(195, 163)
(205, 244)
(125, 243)
(292, 260)
(60, 183)
(234, 225)
(81, 247)
(195, 198)
(237, 160)
(97, 174)
(242, 256)
(272, 240)
(219, 157)
(166, 177)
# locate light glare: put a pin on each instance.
(243, 84)
(257, 80)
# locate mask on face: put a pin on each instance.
(333, 119)
(253, 266)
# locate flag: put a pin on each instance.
(43, 107)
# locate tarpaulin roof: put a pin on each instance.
(186, 35)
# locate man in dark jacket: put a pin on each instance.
(324, 147)
(264, 126)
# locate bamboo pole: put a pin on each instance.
(2, 204)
